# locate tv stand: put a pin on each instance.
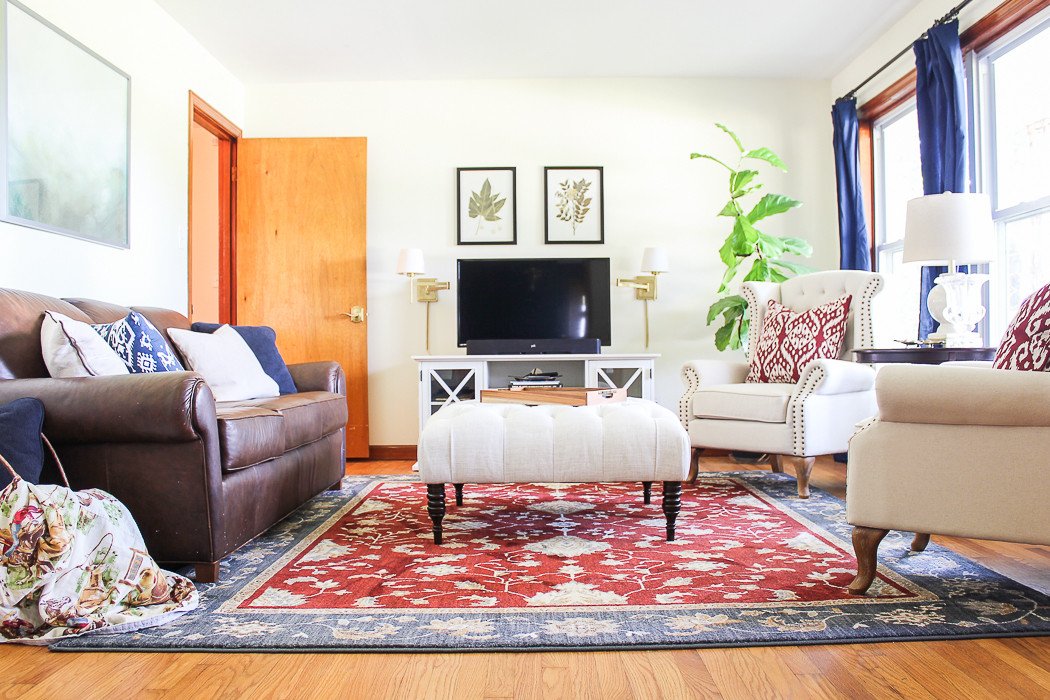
(445, 379)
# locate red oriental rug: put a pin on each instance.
(542, 566)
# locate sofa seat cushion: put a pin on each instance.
(248, 435)
(763, 403)
(308, 415)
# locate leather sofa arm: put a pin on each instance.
(319, 376)
(825, 377)
(963, 396)
(151, 408)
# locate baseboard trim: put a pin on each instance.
(391, 452)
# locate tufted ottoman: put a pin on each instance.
(482, 443)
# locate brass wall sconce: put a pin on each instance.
(422, 289)
(654, 261)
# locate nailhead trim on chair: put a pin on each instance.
(867, 332)
(797, 407)
(754, 329)
(691, 379)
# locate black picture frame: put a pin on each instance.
(559, 231)
(469, 186)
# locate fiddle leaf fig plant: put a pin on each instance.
(746, 247)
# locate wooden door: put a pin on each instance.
(301, 256)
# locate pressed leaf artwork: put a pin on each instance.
(573, 204)
(485, 205)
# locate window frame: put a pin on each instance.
(879, 243)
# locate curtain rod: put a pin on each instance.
(952, 14)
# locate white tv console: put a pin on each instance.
(444, 379)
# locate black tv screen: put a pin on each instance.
(536, 298)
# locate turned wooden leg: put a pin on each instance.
(459, 494)
(436, 507)
(694, 463)
(866, 546)
(922, 539)
(206, 573)
(803, 467)
(775, 464)
(672, 504)
(647, 492)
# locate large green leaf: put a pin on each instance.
(739, 180)
(736, 139)
(723, 334)
(730, 209)
(792, 267)
(768, 156)
(704, 155)
(751, 234)
(735, 338)
(733, 304)
(728, 252)
(772, 204)
(797, 246)
(759, 271)
(730, 273)
(771, 246)
(776, 275)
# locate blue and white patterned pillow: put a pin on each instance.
(139, 344)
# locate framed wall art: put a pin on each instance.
(65, 120)
(486, 206)
(574, 205)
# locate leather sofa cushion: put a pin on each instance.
(21, 314)
(763, 403)
(307, 416)
(248, 435)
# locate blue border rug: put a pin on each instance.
(956, 599)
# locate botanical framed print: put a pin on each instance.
(486, 206)
(574, 205)
(65, 122)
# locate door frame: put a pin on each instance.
(228, 133)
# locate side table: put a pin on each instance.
(921, 355)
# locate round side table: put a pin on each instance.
(921, 356)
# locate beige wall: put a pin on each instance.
(204, 225)
(641, 130)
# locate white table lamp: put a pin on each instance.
(952, 228)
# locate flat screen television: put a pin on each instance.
(533, 298)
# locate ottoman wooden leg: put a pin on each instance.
(459, 494)
(672, 504)
(436, 507)
(647, 492)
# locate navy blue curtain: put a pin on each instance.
(854, 244)
(941, 105)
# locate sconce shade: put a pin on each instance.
(655, 260)
(410, 261)
(953, 226)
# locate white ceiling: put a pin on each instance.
(283, 41)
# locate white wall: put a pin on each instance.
(640, 130)
(164, 63)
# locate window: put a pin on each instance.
(1012, 149)
(898, 178)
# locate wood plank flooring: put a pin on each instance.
(992, 668)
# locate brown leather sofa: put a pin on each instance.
(201, 478)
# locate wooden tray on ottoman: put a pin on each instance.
(565, 396)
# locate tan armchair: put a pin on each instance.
(958, 451)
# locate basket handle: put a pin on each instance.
(54, 456)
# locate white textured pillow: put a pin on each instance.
(226, 362)
(72, 348)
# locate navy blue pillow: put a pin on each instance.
(20, 424)
(263, 342)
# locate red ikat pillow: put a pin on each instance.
(790, 340)
(1026, 345)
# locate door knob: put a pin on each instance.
(356, 314)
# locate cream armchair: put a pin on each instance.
(958, 451)
(791, 422)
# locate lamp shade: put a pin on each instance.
(953, 226)
(410, 261)
(655, 260)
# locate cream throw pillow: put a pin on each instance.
(226, 362)
(72, 348)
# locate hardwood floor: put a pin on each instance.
(993, 668)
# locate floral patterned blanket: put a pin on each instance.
(74, 562)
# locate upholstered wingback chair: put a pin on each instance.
(793, 423)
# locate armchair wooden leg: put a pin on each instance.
(803, 467)
(694, 463)
(866, 546)
(207, 572)
(775, 464)
(919, 544)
